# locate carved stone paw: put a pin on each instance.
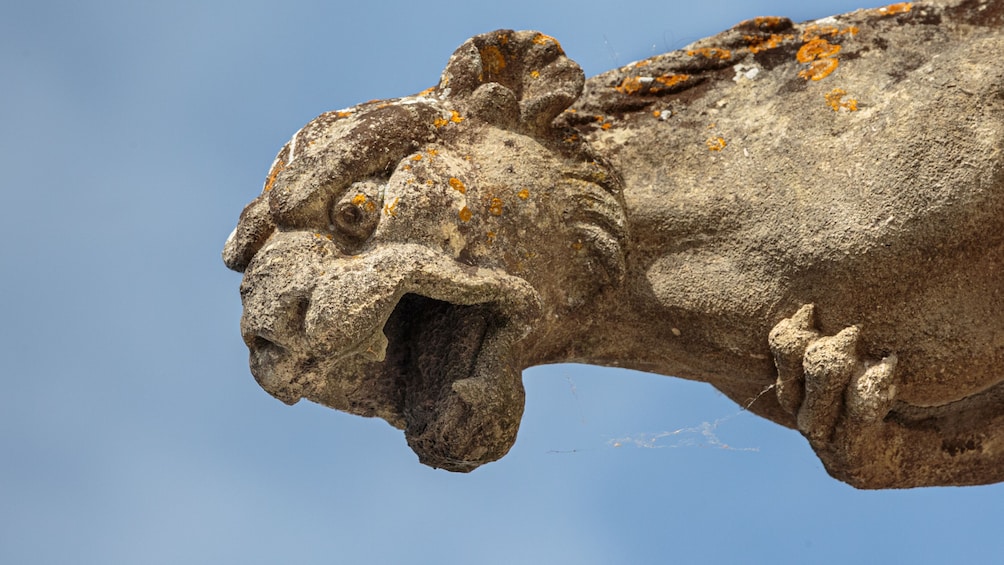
(838, 399)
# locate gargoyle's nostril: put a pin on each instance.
(259, 343)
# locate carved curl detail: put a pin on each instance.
(513, 79)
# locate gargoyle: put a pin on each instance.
(809, 217)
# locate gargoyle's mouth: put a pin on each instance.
(403, 333)
(433, 343)
(454, 366)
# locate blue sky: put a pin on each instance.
(131, 135)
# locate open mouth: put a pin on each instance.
(432, 346)
(403, 334)
(433, 343)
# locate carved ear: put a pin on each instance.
(512, 78)
(595, 200)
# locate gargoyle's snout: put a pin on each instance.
(403, 332)
(270, 363)
(276, 294)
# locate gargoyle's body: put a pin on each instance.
(810, 218)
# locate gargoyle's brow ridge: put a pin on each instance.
(368, 143)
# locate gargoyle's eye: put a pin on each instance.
(355, 217)
(351, 220)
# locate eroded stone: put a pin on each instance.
(815, 209)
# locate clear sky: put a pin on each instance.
(132, 134)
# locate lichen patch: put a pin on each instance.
(835, 98)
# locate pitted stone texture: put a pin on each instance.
(815, 209)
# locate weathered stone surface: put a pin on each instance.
(813, 210)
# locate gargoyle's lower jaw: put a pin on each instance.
(403, 333)
(463, 393)
(448, 378)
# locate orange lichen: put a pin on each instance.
(359, 199)
(819, 69)
(490, 236)
(458, 185)
(671, 80)
(391, 208)
(541, 39)
(711, 53)
(572, 138)
(629, 85)
(440, 122)
(635, 84)
(818, 48)
(821, 56)
(343, 113)
(430, 182)
(835, 99)
(427, 91)
(892, 9)
(603, 123)
(270, 180)
(656, 114)
(523, 194)
(455, 117)
(534, 74)
(465, 214)
(815, 31)
(432, 153)
(716, 144)
(492, 59)
(417, 157)
(495, 208)
(758, 44)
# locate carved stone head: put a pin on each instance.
(405, 255)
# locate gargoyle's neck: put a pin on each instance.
(685, 307)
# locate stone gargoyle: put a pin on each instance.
(809, 217)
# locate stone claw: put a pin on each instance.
(829, 365)
(869, 396)
(824, 382)
(788, 341)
